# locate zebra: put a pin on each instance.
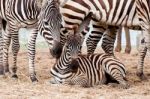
(86, 70)
(143, 10)
(110, 15)
(28, 14)
(73, 15)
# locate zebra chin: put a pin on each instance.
(56, 50)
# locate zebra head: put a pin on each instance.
(50, 24)
(72, 46)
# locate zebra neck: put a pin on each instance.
(65, 60)
(45, 32)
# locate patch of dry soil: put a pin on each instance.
(24, 89)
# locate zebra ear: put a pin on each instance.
(85, 23)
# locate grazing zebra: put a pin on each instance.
(28, 14)
(86, 70)
(143, 10)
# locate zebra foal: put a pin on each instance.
(133, 14)
(86, 70)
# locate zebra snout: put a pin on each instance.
(56, 50)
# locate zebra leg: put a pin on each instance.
(31, 54)
(15, 50)
(118, 76)
(1, 48)
(94, 37)
(119, 39)
(142, 54)
(7, 40)
(109, 40)
(128, 42)
(79, 81)
(85, 32)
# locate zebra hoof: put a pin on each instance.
(141, 76)
(1, 69)
(14, 76)
(34, 79)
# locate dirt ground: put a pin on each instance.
(23, 88)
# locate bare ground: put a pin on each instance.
(23, 88)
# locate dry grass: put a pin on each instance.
(23, 88)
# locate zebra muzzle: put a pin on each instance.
(56, 50)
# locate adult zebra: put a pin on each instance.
(28, 14)
(73, 15)
(108, 14)
(143, 9)
(86, 71)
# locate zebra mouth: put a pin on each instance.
(56, 50)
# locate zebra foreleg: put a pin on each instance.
(7, 40)
(95, 36)
(31, 54)
(92, 42)
(109, 40)
(15, 50)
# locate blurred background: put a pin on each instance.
(41, 44)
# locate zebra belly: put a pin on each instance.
(27, 24)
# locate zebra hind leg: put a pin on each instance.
(31, 54)
(142, 54)
(121, 80)
(117, 73)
